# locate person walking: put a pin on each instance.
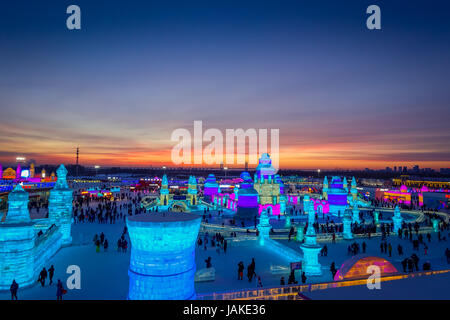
(259, 282)
(51, 272)
(42, 276)
(59, 290)
(333, 269)
(240, 270)
(303, 277)
(14, 287)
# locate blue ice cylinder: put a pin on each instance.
(162, 263)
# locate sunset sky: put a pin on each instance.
(341, 95)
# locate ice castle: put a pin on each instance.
(269, 186)
(23, 249)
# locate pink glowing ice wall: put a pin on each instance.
(293, 200)
(273, 209)
(321, 203)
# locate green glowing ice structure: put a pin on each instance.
(287, 223)
(60, 205)
(162, 262)
(435, 223)
(397, 218)
(310, 248)
(376, 216)
(300, 235)
(355, 210)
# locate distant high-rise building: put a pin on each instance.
(395, 169)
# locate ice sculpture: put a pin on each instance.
(60, 205)
(310, 248)
(162, 263)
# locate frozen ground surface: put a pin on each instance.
(104, 275)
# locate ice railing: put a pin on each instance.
(295, 291)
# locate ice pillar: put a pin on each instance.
(162, 263)
(263, 227)
(397, 218)
(310, 248)
(355, 211)
(347, 221)
(376, 217)
(60, 205)
(288, 221)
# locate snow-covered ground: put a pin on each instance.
(104, 274)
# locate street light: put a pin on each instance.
(225, 169)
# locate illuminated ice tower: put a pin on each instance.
(263, 227)
(17, 239)
(337, 196)
(18, 171)
(397, 218)
(164, 192)
(268, 186)
(310, 248)
(355, 211)
(347, 221)
(192, 191)
(162, 262)
(247, 206)
(325, 188)
(211, 187)
(60, 205)
(353, 190)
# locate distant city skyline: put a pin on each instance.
(341, 95)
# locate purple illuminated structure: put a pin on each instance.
(247, 206)
(211, 187)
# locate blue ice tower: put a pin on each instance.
(347, 222)
(355, 212)
(310, 248)
(17, 238)
(162, 263)
(263, 227)
(397, 218)
(60, 205)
